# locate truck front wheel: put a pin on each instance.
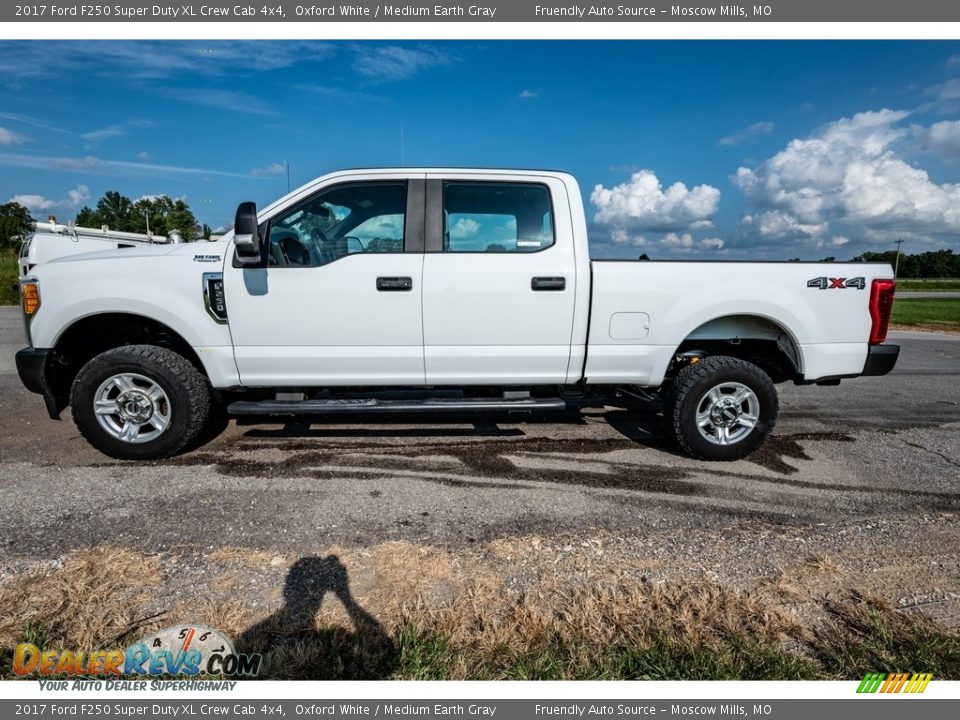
(721, 408)
(140, 402)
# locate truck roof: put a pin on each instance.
(306, 188)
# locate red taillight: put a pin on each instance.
(881, 305)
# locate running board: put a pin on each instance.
(375, 406)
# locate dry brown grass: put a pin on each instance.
(786, 586)
(91, 601)
(825, 565)
(400, 609)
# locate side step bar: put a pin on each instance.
(375, 406)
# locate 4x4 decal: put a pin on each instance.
(825, 283)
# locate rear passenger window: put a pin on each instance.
(496, 217)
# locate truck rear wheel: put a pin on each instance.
(721, 408)
(140, 402)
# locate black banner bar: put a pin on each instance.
(488, 11)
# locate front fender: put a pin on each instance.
(166, 289)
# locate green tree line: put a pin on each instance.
(15, 223)
(161, 214)
(925, 265)
(116, 211)
(930, 264)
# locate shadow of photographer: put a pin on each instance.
(294, 647)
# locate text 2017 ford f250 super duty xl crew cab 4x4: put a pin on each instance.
(433, 290)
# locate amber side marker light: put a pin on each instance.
(30, 298)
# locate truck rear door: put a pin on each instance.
(499, 280)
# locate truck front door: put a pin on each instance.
(339, 300)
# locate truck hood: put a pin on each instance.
(200, 251)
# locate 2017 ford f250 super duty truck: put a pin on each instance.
(438, 290)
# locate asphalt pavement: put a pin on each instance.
(872, 447)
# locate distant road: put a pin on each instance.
(927, 294)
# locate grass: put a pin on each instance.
(424, 656)
(866, 635)
(928, 285)
(9, 275)
(102, 598)
(937, 313)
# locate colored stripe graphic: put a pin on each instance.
(918, 683)
(894, 682)
(897, 682)
(871, 681)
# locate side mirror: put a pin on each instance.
(246, 235)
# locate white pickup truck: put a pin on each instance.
(429, 291)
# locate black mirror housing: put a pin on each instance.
(246, 234)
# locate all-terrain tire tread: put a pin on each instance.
(192, 381)
(690, 376)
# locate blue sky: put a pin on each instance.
(683, 149)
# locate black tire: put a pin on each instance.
(217, 422)
(187, 392)
(688, 395)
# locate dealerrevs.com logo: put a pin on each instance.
(188, 650)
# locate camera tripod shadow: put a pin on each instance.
(294, 647)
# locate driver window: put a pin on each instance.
(343, 220)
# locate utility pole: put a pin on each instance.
(896, 265)
(146, 215)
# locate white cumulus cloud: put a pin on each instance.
(34, 202)
(642, 204)
(39, 203)
(942, 138)
(276, 168)
(778, 225)
(850, 174)
(9, 137)
(674, 242)
(686, 241)
(79, 195)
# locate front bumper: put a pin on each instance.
(881, 359)
(32, 368)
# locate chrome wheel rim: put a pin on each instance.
(727, 413)
(132, 408)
